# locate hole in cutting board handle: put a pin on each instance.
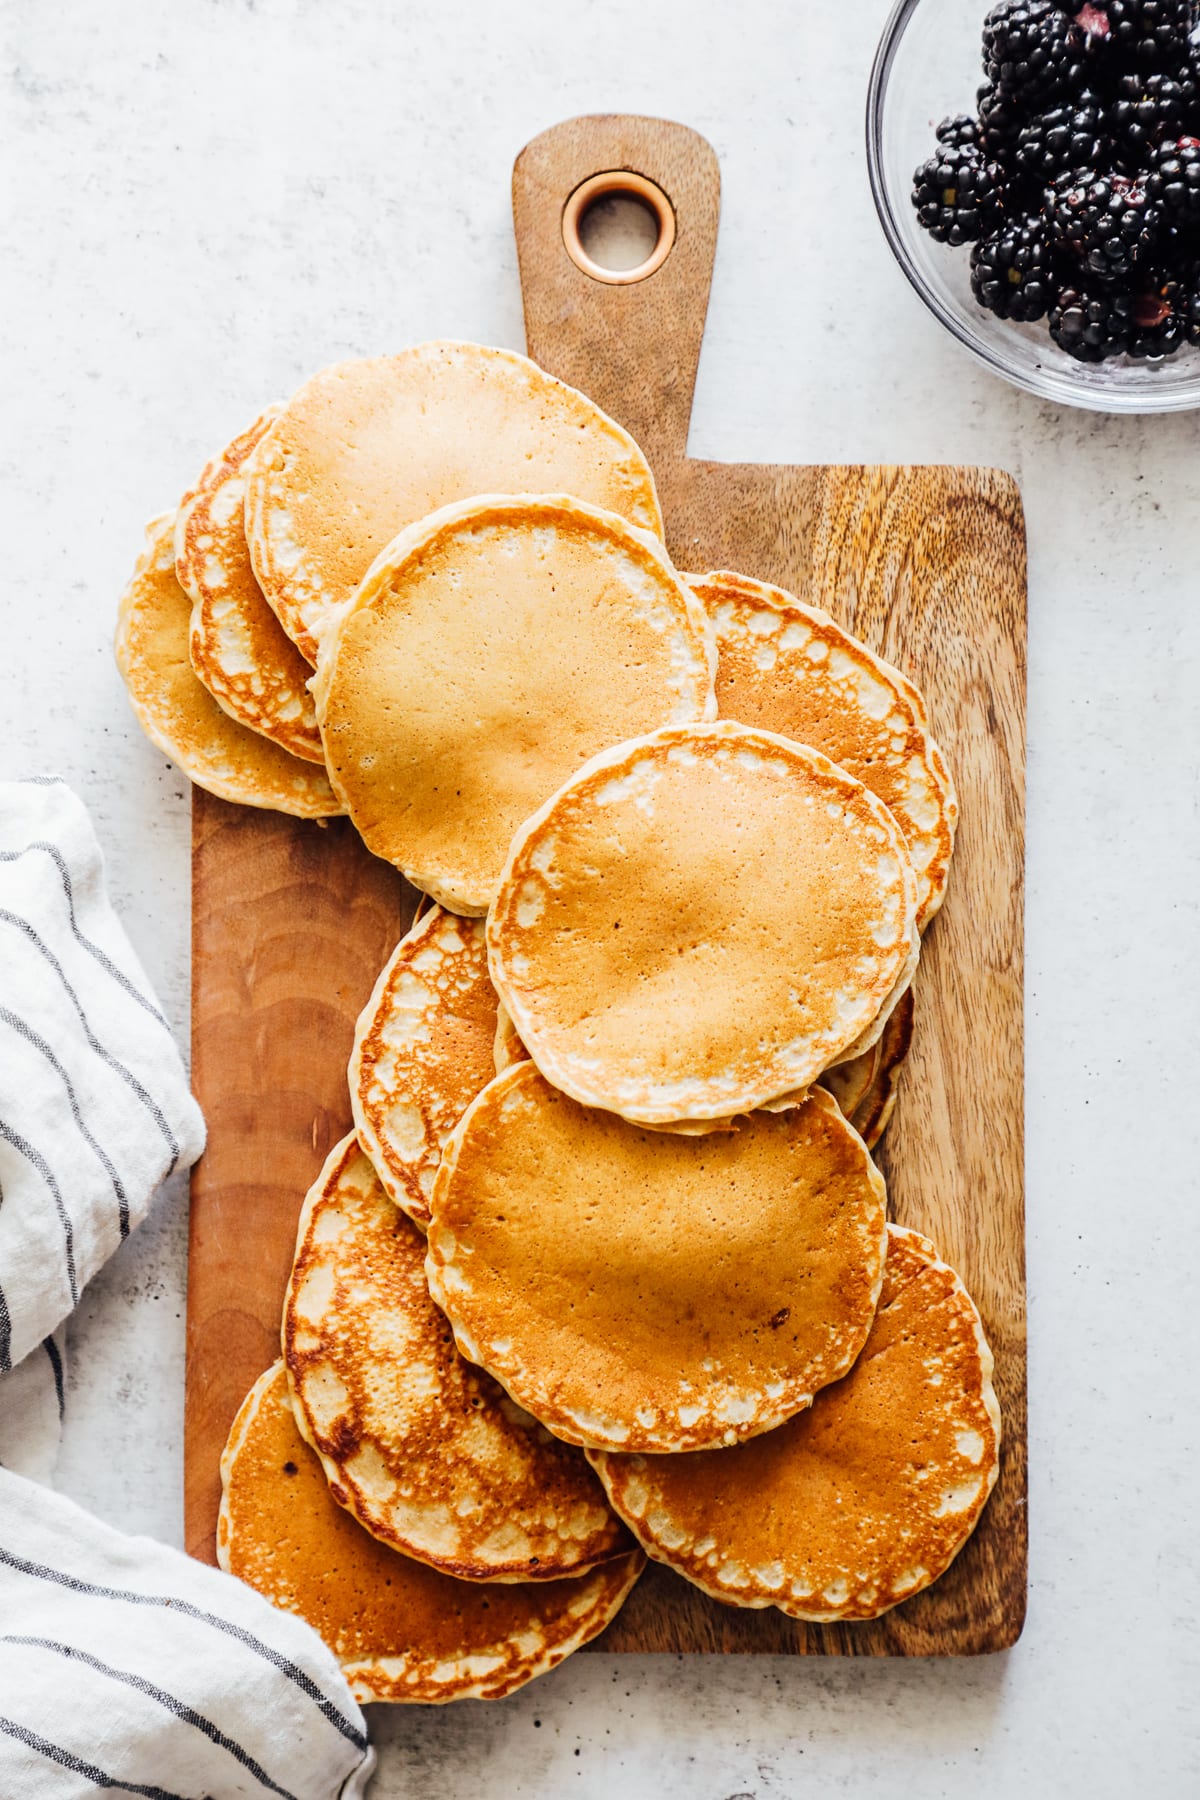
(618, 227)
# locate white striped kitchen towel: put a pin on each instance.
(95, 1109)
(126, 1666)
(123, 1665)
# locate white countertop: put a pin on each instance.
(212, 200)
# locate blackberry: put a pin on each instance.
(1070, 136)
(1107, 222)
(960, 130)
(1000, 122)
(1161, 314)
(1173, 183)
(1148, 109)
(1030, 51)
(1151, 34)
(1078, 180)
(1091, 324)
(956, 194)
(1011, 271)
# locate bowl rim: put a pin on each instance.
(1047, 384)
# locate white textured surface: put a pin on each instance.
(203, 203)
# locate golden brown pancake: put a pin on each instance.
(490, 650)
(875, 1107)
(238, 648)
(863, 1500)
(791, 669)
(864, 1086)
(180, 716)
(400, 1630)
(367, 448)
(641, 1290)
(699, 922)
(426, 1451)
(850, 1082)
(866, 1040)
(507, 1047)
(422, 1051)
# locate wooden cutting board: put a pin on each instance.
(291, 921)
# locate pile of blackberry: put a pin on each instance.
(1076, 181)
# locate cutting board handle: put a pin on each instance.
(634, 348)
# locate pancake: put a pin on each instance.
(700, 921)
(863, 1085)
(426, 1451)
(874, 1109)
(400, 1630)
(645, 1291)
(901, 986)
(507, 1047)
(367, 448)
(855, 1079)
(850, 1082)
(180, 716)
(238, 648)
(791, 669)
(862, 1081)
(489, 652)
(858, 1503)
(423, 1049)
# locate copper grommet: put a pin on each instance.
(598, 187)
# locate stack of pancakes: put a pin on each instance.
(605, 1266)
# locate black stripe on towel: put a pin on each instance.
(65, 1760)
(55, 1361)
(106, 962)
(169, 1701)
(44, 1170)
(24, 1029)
(286, 1667)
(127, 1075)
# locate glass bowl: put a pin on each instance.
(928, 66)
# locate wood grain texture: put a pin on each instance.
(290, 923)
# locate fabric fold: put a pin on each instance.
(95, 1109)
(126, 1665)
